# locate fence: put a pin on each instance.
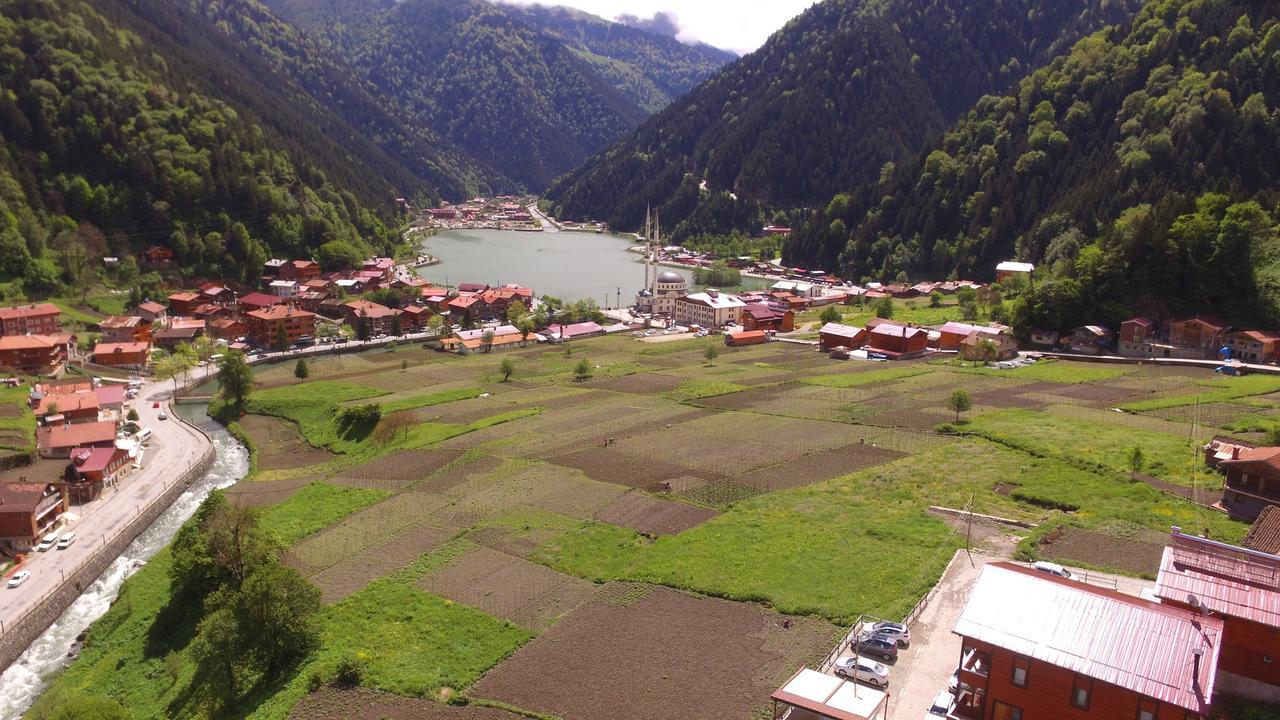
(18, 634)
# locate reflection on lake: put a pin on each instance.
(568, 265)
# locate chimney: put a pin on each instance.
(1235, 452)
(1196, 654)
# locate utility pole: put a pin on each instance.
(968, 531)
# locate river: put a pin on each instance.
(23, 682)
(568, 265)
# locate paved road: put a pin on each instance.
(175, 446)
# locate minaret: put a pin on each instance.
(648, 244)
(655, 245)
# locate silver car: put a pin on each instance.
(942, 705)
(862, 669)
(890, 631)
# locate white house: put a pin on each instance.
(710, 309)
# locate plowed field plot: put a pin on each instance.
(330, 703)
(1004, 400)
(652, 516)
(1099, 395)
(280, 445)
(642, 383)
(528, 594)
(654, 654)
(923, 419)
(519, 544)
(366, 528)
(818, 466)
(10, 411)
(396, 470)
(542, 485)
(353, 573)
(611, 466)
(257, 493)
(446, 478)
(1218, 414)
(1137, 555)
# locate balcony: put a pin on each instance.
(976, 663)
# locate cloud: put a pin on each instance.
(662, 23)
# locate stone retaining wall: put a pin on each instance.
(19, 635)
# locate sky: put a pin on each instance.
(737, 25)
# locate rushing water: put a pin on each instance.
(568, 265)
(23, 682)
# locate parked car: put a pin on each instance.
(66, 541)
(892, 631)
(47, 542)
(163, 416)
(875, 646)
(155, 404)
(862, 669)
(18, 578)
(942, 705)
(1053, 569)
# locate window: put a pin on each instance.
(1080, 689)
(1021, 667)
(1006, 712)
(1148, 709)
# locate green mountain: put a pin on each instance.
(1139, 171)
(650, 69)
(514, 98)
(126, 123)
(844, 88)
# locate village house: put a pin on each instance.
(1030, 648)
(1136, 337)
(896, 341)
(258, 301)
(38, 319)
(503, 336)
(178, 333)
(1045, 338)
(284, 288)
(414, 318)
(351, 286)
(1010, 269)
(1252, 480)
(472, 287)
(57, 441)
(710, 309)
(383, 269)
(983, 346)
(1264, 534)
(183, 303)
(265, 325)
(435, 298)
(227, 329)
(1091, 339)
(763, 316)
(130, 355)
(299, 271)
(382, 319)
(28, 510)
(798, 288)
(69, 408)
(465, 309)
(111, 399)
(1197, 337)
(96, 469)
(834, 335)
(576, 331)
(152, 312)
(332, 308)
(1253, 346)
(952, 334)
(125, 328)
(36, 354)
(157, 256)
(1238, 588)
(209, 312)
(272, 268)
(216, 294)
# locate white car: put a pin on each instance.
(66, 541)
(890, 631)
(47, 542)
(18, 578)
(163, 416)
(862, 669)
(942, 704)
(1053, 569)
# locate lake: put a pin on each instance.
(568, 265)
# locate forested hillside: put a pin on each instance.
(1139, 171)
(651, 70)
(844, 88)
(127, 123)
(514, 98)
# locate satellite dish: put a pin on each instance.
(1194, 601)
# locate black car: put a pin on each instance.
(875, 647)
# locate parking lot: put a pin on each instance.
(924, 668)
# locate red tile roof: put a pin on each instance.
(1118, 639)
(95, 459)
(113, 348)
(154, 308)
(1225, 579)
(844, 331)
(1264, 536)
(372, 310)
(261, 299)
(22, 497)
(68, 402)
(1269, 456)
(31, 342)
(24, 311)
(116, 322)
(279, 312)
(70, 436)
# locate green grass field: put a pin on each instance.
(846, 457)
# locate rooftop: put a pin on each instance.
(1264, 536)
(70, 436)
(23, 311)
(23, 497)
(279, 312)
(31, 342)
(119, 348)
(840, 330)
(94, 459)
(364, 308)
(830, 697)
(261, 299)
(1118, 639)
(1013, 266)
(719, 300)
(151, 307)
(117, 322)
(1225, 579)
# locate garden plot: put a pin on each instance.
(462, 470)
(359, 569)
(818, 466)
(1139, 555)
(365, 528)
(1097, 395)
(542, 485)
(914, 418)
(1217, 414)
(261, 493)
(650, 383)
(651, 516)
(613, 466)
(530, 595)
(334, 703)
(667, 654)
(280, 444)
(396, 470)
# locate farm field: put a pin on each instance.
(482, 537)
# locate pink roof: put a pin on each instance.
(70, 436)
(1126, 641)
(110, 394)
(575, 330)
(261, 299)
(151, 307)
(839, 330)
(901, 331)
(25, 311)
(1226, 579)
(94, 459)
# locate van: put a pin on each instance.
(66, 540)
(144, 436)
(1052, 569)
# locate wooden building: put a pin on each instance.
(29, 510)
